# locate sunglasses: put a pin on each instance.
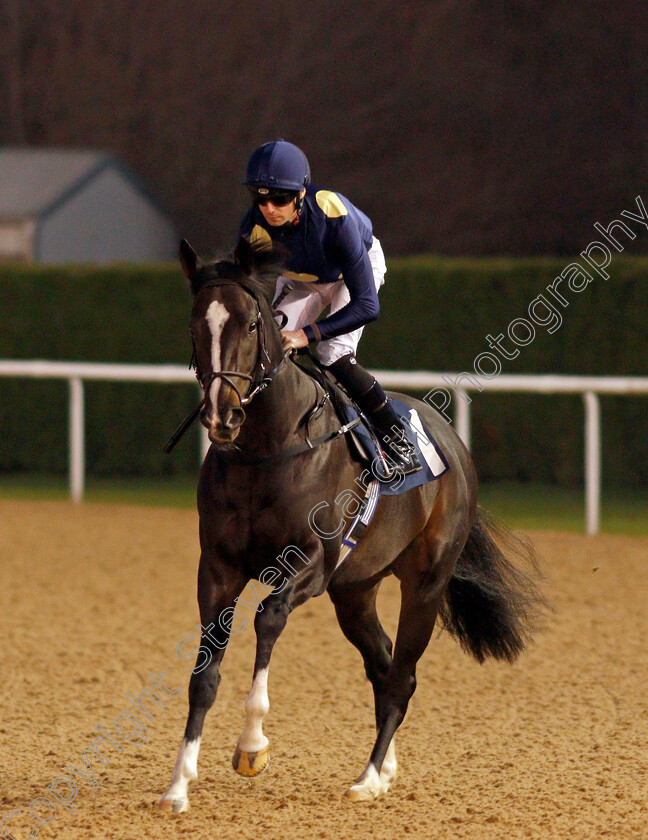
(280, 198)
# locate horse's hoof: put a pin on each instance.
(173, 806)
(367, 786)
(359, 793)
(251, 763)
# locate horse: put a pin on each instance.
(269, 510)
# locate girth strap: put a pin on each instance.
(301, 447)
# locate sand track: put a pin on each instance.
(94, 598)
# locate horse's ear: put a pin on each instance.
(188, 260)
(245, 255)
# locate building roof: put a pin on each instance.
(32, 179)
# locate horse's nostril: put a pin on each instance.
(234, 417)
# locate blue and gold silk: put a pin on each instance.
(329, 242)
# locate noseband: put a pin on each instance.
(263, 376)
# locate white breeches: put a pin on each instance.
(306, 301)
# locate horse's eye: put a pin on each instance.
(252, 328)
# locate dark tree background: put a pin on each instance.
(460, 126)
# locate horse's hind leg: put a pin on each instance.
(358, 619)
(424, 569)
(216, 595)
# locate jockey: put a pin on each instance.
(334, 259)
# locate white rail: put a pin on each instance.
(78, 372)
(588, 386)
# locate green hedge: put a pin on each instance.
(436, 314)
(114, 314)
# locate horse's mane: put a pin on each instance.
(258, 272)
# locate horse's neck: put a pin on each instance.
(273, 418)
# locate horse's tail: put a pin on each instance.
(492, 605)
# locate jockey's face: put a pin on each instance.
(277, 216)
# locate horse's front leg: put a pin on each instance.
(218, 587)
(251, 756)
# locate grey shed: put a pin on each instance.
(66, 206)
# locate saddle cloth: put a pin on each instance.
(433, 461)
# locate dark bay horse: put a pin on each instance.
(271, 514)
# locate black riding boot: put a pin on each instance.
(372, 400)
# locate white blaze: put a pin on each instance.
(216, 317)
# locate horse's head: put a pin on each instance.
(237, 345)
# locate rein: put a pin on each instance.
(264, 379)
(210, 377)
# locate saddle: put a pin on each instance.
(379, 477)
(364, 444)
(345, 408)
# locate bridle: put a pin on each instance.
(262, 377)
(259, 379)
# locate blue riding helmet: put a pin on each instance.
(278, 165)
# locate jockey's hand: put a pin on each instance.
(293, 339)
